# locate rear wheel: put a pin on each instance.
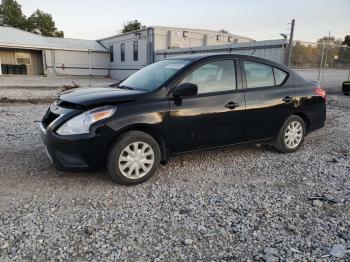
(291, 135)
(134, 158)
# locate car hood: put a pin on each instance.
(89, 97)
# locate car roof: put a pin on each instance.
(198, 57)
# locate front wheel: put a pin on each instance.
(291, 135)
(134, 158)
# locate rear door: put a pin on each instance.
(269, 96)
(213, 117)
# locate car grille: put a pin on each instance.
(49, 118)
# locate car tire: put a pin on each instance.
(291, 135)
(133, 158)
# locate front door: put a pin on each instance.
(215, 115)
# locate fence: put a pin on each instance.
(324, 62)
(270, 49)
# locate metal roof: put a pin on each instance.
(17, 38)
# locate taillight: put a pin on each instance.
(321, 92)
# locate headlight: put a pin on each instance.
(81, 123)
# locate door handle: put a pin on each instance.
(231, 105)
(288, 99)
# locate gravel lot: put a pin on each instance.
(39, 89)
(235, 204)
(23, 81)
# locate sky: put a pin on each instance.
(261, 20)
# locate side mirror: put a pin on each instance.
(185, 89)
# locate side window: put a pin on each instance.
(280, 76)
(258, 75)
(122, 52)
(136, 50)
(213, 77)
(111, 55)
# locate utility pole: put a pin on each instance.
(326, 55)
(284, 44)
(290, 46)
(321, 64)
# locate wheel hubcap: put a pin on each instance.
(293, 134)
(136, 160)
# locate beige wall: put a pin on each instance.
(64, 62)
(74, 62)
(36, 67)
(8, 56)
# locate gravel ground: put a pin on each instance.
(235, 204)
(38, 89)
(52, 81)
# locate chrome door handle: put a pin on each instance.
(288, 99)
(231, 105)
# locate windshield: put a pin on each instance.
(153, 76)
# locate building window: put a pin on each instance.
(111, 54)
(184, 34)
(218, 37)
(136, 50)
(122, 52)
(22, 58)
(229, 39)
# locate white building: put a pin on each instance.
(131, 51)
(22, 52)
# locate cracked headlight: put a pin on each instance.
(81, 124)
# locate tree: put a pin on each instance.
(11, 15)
(42, 23)
(336, 55)
(39, 22)
(344, 53)
(306, 55)
(346, 40)
(329, 40)
(223, 31)
(131, 26)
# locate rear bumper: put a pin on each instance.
(317, 119)
(86, 151)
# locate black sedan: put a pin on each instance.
(180, 105)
